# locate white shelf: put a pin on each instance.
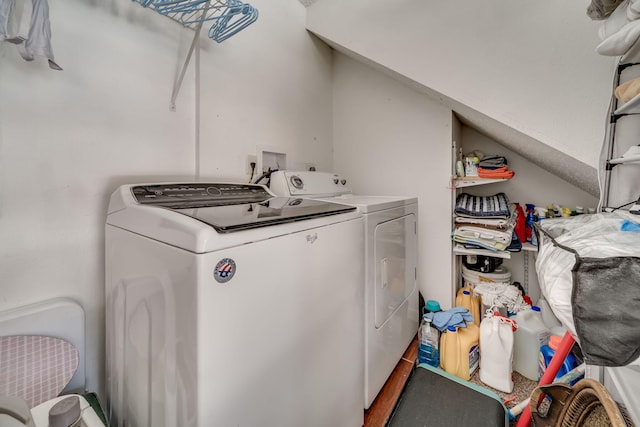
(470, 181)
(461, 250)
(622, 160)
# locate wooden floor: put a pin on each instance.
(381, 408)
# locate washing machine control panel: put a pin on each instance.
(210, 194)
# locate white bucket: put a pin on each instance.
(472, 278)
(496, 351)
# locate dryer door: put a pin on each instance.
(395, 252)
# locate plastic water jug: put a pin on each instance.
(547, 352)
(460, 350)
(528, 338)
(428, 343)
(467, 299)
(496, 348)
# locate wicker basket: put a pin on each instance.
(587, 403)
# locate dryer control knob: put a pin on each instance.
(296, 181)
(343, 182)
(335, 181)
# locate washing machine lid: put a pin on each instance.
(229, 207)
(228, 218)
(203, 217)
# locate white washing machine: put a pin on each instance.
(227, 306)
(390, 254)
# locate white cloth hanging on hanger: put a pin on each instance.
(34, 33)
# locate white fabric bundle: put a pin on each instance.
(501, 295)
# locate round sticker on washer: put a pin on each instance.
(224, 271)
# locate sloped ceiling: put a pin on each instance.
(524, 74)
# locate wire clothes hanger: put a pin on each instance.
(228, 16)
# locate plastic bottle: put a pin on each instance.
(429, 343)
(530, 219)
(528, 338)
(520, 227)
(496, 347)
(467, 299)
(546, 354)
(432, 306)
(460, 350)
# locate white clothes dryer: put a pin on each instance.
(227, 306)
(390, 257)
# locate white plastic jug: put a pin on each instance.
(528, 338)
(496, 350)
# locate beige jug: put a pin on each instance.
(472, 302)
(459, 350)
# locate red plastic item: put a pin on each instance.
(520, 228)
(549, 375)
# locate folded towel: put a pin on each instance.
(456, 316)
(628, 90)
(615, 21)
(496, 206)
(492, 162)
(621, 41)
(600, 9)
(633, 10)
(492, 223)
(481, 243)
(470, 232)
(503, 172)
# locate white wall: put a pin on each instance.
(267, 88)
(391, 140)
(531, 66)
(69, 138)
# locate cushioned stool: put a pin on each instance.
(433, 397)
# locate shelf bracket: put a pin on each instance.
(178, 83)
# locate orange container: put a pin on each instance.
(459, 350)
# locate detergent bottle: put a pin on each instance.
(547, 352)
(468, 299)
(460, 351)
